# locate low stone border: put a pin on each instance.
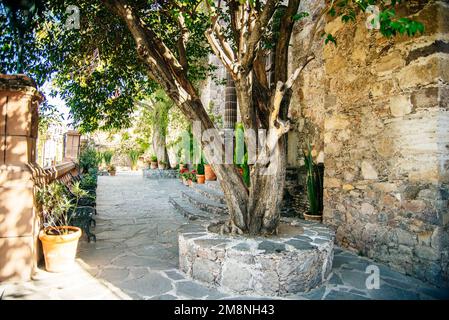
(259, 266)
(160, 174)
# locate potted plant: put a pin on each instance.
(59, 239)
(200, 177)
(134, 157)
(111, 169)
(162, 165)
(192, 178)
(182, 172)
(209, 173)
(185, 176)
(107, 156)
(314, 188)
(153, 162)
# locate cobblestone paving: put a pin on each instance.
(136, 256)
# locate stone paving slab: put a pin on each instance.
(136, 256)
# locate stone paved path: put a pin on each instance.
(136, 256)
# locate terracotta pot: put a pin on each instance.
(189, 183)
(60, 250)
(153, 165)
(313, 217)
(200, 178)
(209, 173)
(112, 173)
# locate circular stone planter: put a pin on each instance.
(274, 266)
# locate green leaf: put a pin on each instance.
(330, 38)
(300, 16)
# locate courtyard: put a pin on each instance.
(224, 150)
(136, 256)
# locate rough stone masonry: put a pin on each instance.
(377, 109)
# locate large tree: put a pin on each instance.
(240, 33)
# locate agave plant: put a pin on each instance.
(314, 182)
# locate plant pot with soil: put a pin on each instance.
(59, 238)
(111, 170)
(59, 246)
(313, 217)
(209, 173)
(314, 187)
(153, 162)
(162, 165)
(200, 176)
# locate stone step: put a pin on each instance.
(213, 185)
(189, 211)
(209, 193)
(204, 203)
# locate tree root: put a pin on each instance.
(229, 227)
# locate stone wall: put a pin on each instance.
(213, 90)
(307, 108)
(379, 111)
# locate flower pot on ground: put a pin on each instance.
(209, 173)
(313, 217)
(200, 178)
(56, 210)
(111, 170)
(162, 165)
(59, 249)
(314, 187)
(153, 162)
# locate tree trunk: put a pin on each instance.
(159, 132)
(266, 192)
(159, 144)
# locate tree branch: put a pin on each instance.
(182, 42)
(218, 43)
(259, 28)
(282, 45)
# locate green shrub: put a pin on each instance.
(314, 183)
(89, 158)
